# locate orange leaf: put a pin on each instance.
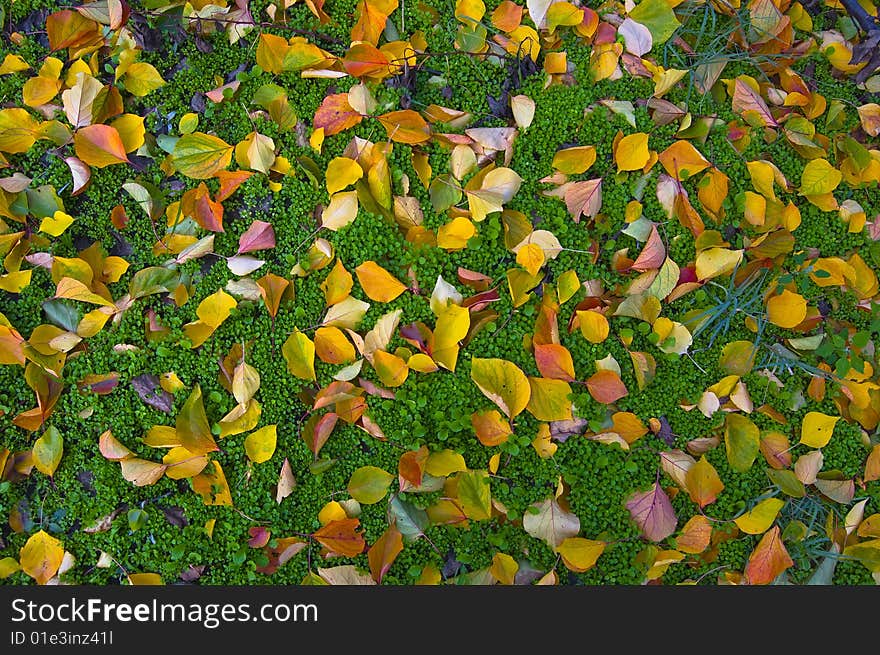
(272, 289)
(682, 161)
(653, 254)
(406, 126)
(695, 535)
(229, 182)
(768, 560)
(67, 29)
(341, 537)
(489, 426)
(383, 553)
(335, 114)
(378, 284)
(703, 483)
(365, 59)
(554, 361)
(99, 146)
(411, 467)
(372, 15)
(606, 387)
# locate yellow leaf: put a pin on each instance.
(787, 310)
(594, 326)
(759, 519)
(543, 444)
(201, 156)
(713, 262)
(452, 326)
(567, 285)
(299, 353)
(41, 557)
(503, 383)
(443, 463)
(332, 347)
(531, 258)
(241, 419)
(216, 308)
(181, 463)
(503, 567)
(141, 78)
(369, 484)
(405, 126)
(256, 152)
(76, 290)
(145, 579)
(817, 428)
(188, 123)
(56, 224)
(391, 369)
(819, 178)
(341, 211)
(377, 283)
(18, 130)
(212, 486)
(8, 565)
(632, 152)
(681, 160)
(245, 382)
(332, 511)
(40, 90)
(548, 399)
(260, 444)
(574, 161)
(455, 234)
(15, 282)
(131, 130)
(337, 285)
(192, 425)
(579, 554)
(346, 314)
(13, 64)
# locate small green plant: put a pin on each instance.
(730, 301)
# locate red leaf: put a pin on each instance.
(259, 536)
(259, 236)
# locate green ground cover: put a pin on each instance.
(739, 313)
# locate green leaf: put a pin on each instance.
(411, 521)
(742, 440)
(475, 494)
(48, 450)
(192, 425)
(369, 484)
(658, 17)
